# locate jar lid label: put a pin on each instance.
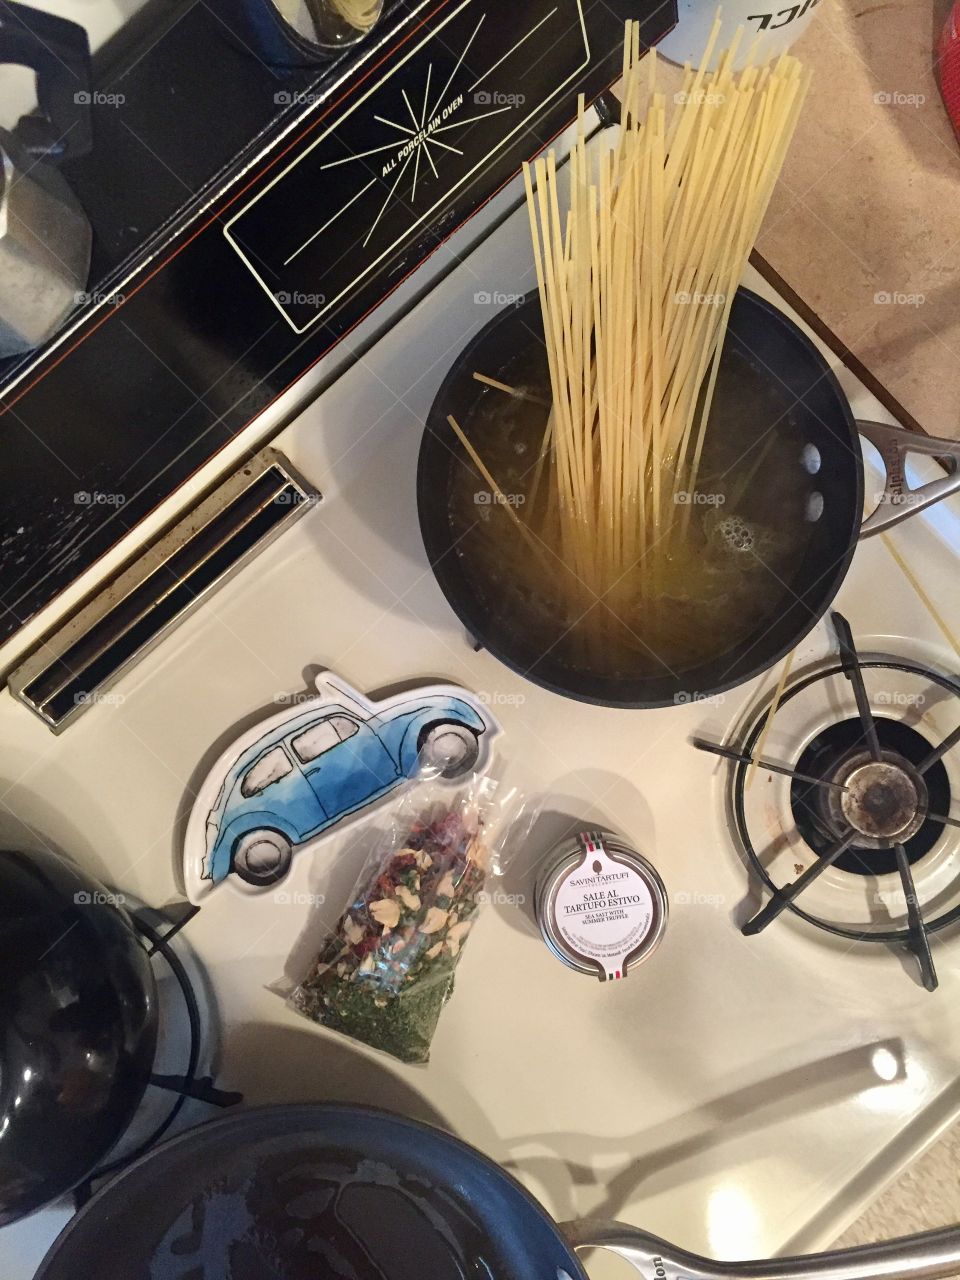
(604, 908)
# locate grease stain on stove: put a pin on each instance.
(57, 539)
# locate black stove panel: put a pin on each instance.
(395, 157)
(107, 423)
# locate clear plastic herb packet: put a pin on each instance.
(384, 973)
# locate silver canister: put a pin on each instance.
(601, 906)
(44, 249)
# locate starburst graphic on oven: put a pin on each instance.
(416, 144)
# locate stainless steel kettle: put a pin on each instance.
(45, 235)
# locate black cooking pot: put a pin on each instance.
(300, 1192)
(762, 338)
(78, 1028)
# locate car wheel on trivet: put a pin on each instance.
(262, 857)
(450, 747)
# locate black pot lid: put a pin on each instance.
(78, 1027)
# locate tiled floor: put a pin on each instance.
(926, 1196)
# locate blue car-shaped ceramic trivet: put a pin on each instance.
(312, 765)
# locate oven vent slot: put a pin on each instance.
(72, 668)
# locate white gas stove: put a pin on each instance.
(741, 1096)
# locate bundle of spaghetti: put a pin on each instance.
(636, 279)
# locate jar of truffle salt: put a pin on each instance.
(601, 906)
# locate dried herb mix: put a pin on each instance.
(385, 974)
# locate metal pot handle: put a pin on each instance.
(898, 500)
(926, 1256)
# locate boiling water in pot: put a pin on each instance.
(746, 531)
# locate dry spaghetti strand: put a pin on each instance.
(637, 268)
(914, 581)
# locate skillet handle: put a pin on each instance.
(927, 1256)
(898, 500)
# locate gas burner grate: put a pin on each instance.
(188, 1084)
(819, 811)
(869, 795)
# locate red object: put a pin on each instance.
(948, 66)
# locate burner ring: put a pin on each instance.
(885, 800)
(881, 936)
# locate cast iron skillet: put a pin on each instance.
(78, 1028)
(772, 343)
(309, 1191)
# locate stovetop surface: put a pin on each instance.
(735, 1095)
